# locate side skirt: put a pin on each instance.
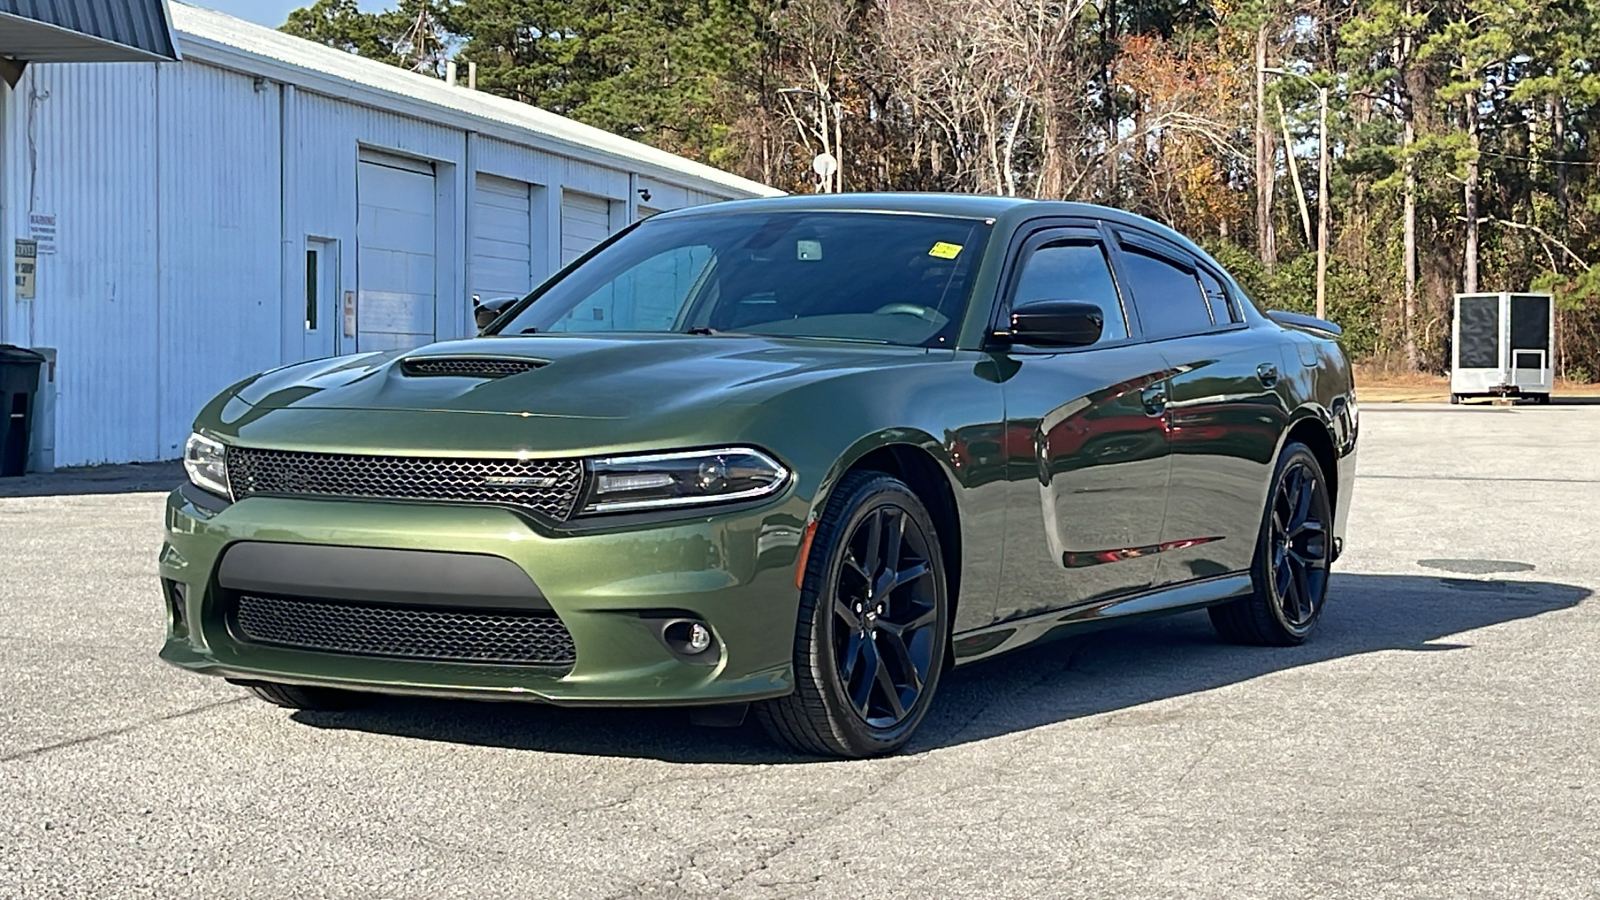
(996, 639)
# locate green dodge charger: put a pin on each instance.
(795, 456)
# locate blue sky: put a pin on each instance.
(271, 13)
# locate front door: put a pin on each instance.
(1084, 441)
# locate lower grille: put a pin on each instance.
(507, 637)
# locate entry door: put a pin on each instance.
(396, 252)
(1087, 454)
(502, 239)
(322, 313)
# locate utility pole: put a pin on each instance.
(1322, 204)
(1323, 155)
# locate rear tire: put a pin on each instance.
(1455, 399)
(1293, 550)
(873, 625)
(293, 696)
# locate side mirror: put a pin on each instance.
(1057, 323)
(486, 311)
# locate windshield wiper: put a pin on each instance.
(705, 330)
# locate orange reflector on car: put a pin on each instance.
(805, 553)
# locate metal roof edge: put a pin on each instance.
(172, 32)
(129, 51)
(224, 54)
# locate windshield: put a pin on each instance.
(885, 277)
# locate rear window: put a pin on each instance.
(1167, 294)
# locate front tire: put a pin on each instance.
(293, 696)
(1290, 572)
(873, 625)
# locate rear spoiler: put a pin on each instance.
(1302, 322)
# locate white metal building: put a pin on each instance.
(267, 200)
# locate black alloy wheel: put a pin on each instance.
(873, 625)
(1292, 557)
(884, 616)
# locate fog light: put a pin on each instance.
(689, 639)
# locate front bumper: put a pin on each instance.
(734, 571)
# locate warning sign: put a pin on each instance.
(27, 265)
(42, 229)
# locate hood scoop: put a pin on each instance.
(469, 366)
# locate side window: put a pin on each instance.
(1222, 307)
(647, 297)
(1073, 269)
(1168, 295)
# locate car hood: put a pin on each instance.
(575, 376)
(667, 386)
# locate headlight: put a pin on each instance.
(689, 478)
(206, 462)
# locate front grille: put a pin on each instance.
(469, 366)
(546, 486)
(505, 637)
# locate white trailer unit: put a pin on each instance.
(1504, 345)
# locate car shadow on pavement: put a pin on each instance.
(129, 478)
(1074, 678)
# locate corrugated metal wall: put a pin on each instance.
(321, 186)
(183, 196)
(220, 267)
(81, 149)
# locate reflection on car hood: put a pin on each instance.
(610, 377)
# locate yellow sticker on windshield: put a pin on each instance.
(945, 251)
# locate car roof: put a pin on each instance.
(970, 206)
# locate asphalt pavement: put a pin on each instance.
(1437, 737)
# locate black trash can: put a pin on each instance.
(19, 381)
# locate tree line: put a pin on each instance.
(1458, 131)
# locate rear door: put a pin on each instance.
(1086, 460)
(1224, 414)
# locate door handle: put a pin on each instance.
(1268, 373)
(1154, 399)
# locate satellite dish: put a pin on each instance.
(824, 165)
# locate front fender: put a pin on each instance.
(947, 411)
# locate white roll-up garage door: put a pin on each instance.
(395, 253)
(585, 221)
(502, 239)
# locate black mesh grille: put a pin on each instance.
(469, 366)
(546, 486)
(507, 637)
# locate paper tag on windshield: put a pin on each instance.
(945, 251)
